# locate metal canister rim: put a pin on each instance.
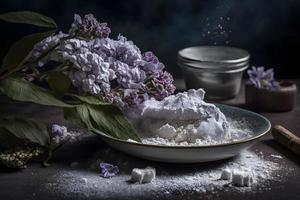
(229, 58)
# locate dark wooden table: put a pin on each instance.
(36, 182)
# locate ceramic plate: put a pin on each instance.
(257, 124)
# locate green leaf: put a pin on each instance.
(26, 129)
(22, 90)
(79, 116)
(101, 119)
(89, 99)
(84, 115)
(111, 121)
(29, 17)
(72, 115)
(8, 140)
(59, 82)
(20, 51)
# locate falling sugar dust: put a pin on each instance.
(203, 178)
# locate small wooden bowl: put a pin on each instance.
(281, 100)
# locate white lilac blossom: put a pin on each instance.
(108, 170)
(114, 70)
(261, 78)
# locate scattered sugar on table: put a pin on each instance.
(167, 180)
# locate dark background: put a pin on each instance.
(269, 29)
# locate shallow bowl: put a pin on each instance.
(257, 124)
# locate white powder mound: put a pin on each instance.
(238, 130)
(183, 106)
(202, 179)
(183, 117)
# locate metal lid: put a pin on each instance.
(213, 57)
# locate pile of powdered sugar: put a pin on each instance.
(185, 119)
(238, 130)
(200, 179)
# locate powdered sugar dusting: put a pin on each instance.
(261, 169)
(200, 179)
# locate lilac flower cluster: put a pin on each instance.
(89, 27)
(88, 71)
(160, 86)
(61, 134)
(114, 70)
(261, 78)
(45, 46)
(58, 133)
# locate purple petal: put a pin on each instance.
(108, 170)
(58, 130)
(262, 78)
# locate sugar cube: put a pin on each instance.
(137, 175)
(226, 174)
(248, 180)
(149, 174)
(238, 178)
(143, 175)
(242, 179)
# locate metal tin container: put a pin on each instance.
(216, 69)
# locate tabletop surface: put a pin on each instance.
(72, 173)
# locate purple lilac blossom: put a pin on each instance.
(58, 133)
(58, 130)
(108, 170)
(91, 73)
(105, 46)
(44, 46)
(100, 64)
(151, 63)
(127, 52)
(134, 97)
(89, 27)
(261, 78)
(129, 77)
(114, 70)
(161, 85)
